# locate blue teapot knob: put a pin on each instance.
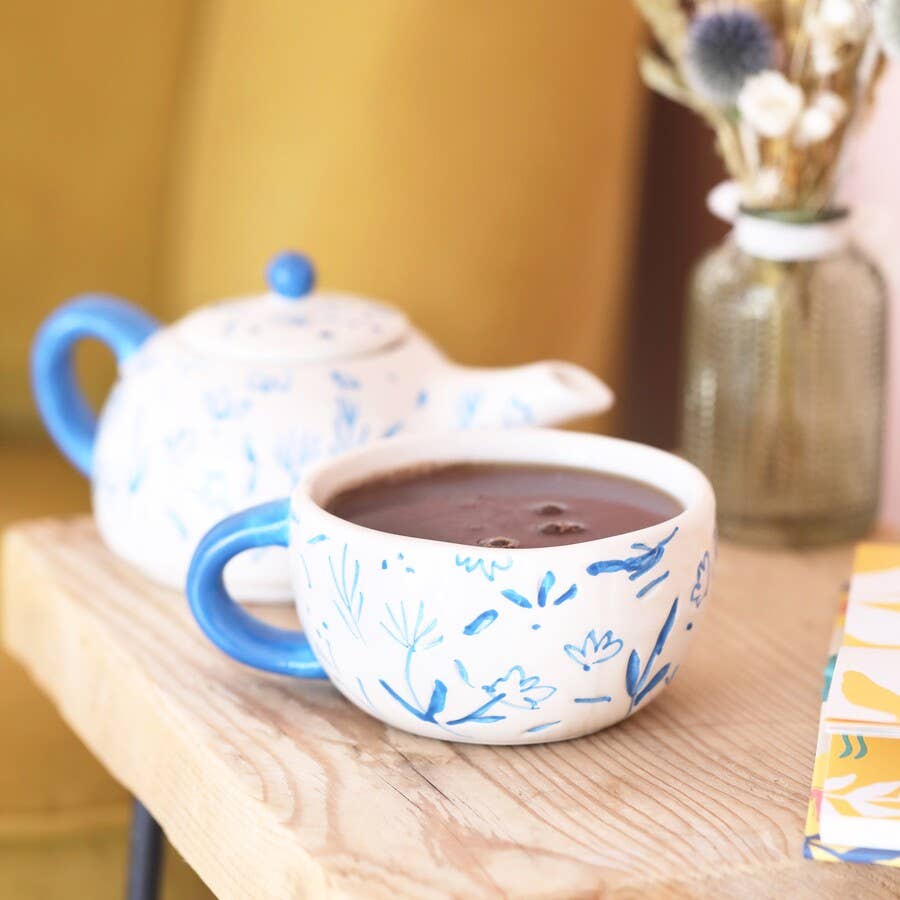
(291, 275)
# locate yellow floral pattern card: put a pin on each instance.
(861, 793)
(854, 807)
(865, 687)
(865, 692)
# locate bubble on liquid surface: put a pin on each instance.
(562, 528)
(550, 509)
(499, 541)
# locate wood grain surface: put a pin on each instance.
(273, 788)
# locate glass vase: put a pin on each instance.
(784, 381)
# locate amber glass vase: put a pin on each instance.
(784, 380)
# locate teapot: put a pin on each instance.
(225, 408)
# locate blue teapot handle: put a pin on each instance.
(225, 623)
(66, 414)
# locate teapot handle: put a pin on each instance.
(66, 414)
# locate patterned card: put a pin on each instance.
(854, 805)
(860, 804)
(865, 693)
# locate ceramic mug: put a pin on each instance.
(476, 644)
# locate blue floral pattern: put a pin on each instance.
(488, 569)
(543, 594)
(639, 681)
(638, 565)
(594, 650)
(449, 654)
(520, 691)
(347, 597)
(701, 583)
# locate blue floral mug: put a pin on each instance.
(485, 645)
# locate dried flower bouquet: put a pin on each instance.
(781, 82)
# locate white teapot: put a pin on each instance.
(225, 408)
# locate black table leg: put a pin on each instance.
(145, 855)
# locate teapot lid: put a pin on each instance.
(292, 322)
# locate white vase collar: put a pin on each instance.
(769, 238)
(791, 241)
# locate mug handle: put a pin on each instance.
(70, 421)
(231, 628)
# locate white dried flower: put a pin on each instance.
(886, 14)
(770, 104)
(832, 25)
(819, 120)
(825, 56)
(815, 125)
(834, 104)
(846, 18)
(724, 200)
(766, 186)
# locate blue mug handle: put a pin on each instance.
(70, 421)
(225, 623)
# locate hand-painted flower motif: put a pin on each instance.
(269, 382)
(521, 691)
(477, 564)
(467, 408)
(419, 637)
(639, 682)
(480, 622)
(345, 381)
(543, 593)
(222, 404)
(409, 635)
(349, 430)
(701, 584)
(594, 650)
(517, 414)
(638, 565)
(348, 598)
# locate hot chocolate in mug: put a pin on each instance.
(470, 643)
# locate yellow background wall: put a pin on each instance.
(88, 101)
(472, 161)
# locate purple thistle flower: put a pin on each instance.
(724, 47)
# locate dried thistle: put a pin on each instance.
(724, 47)
(781, 82)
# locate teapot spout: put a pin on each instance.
(544, 393)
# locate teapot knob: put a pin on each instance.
(291, 275)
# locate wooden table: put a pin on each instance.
(273, 788)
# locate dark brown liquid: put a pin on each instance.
(499, 505)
